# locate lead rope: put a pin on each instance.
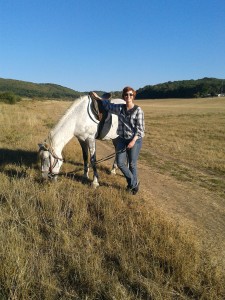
(51, 175)
(109, 156)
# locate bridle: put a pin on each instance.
(56, 159)
(52, 153)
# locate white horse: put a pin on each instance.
(80, 122)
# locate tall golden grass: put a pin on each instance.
(64, 240)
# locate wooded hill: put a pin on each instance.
(206, 87)
(36, 90)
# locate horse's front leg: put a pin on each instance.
(92, 149)
(85, 147)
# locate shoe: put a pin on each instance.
(135, 189)
(128, 188)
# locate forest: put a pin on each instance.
(205, 87)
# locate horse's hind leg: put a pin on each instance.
(114, 167)
(92, 149)
(84, 147)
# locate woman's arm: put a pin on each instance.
(111, 107)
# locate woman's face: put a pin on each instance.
(129, 96)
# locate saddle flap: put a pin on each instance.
(104, 118)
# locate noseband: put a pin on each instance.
(56, 159)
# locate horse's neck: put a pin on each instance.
(58, 140)
(65, 129)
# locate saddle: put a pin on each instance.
(100, 113)
(96, 105)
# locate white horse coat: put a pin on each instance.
(79, 122)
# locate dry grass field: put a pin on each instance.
(64, 240)
(186, 138)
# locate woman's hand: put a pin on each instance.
(131, 144)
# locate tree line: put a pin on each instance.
(11, 90)
(205, 87)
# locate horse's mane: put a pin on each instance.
(66, 115)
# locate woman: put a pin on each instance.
(130, 133)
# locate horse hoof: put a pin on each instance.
(95, 185)
(54, 179)
(85, 177)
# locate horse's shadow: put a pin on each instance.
(88, 181)
(74, 163)
(29, 159)
(19, 157)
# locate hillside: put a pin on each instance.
(205, 87)
(37, 90)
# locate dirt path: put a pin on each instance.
(184, 202)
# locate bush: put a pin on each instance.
(9, 98)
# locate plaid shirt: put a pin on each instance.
(130, 123)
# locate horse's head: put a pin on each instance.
(50, 162)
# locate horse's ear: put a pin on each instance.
(43, 146)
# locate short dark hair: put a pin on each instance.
(127, 89)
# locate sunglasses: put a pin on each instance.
(128, 94)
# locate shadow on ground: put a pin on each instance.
(18, 156)
(29, 159)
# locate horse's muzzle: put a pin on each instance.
(49, 176)
(44, 175)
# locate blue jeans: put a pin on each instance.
(127, 160)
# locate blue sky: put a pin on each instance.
(106, 45)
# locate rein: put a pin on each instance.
(52, 175)
(109, 156)
(57, 158)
